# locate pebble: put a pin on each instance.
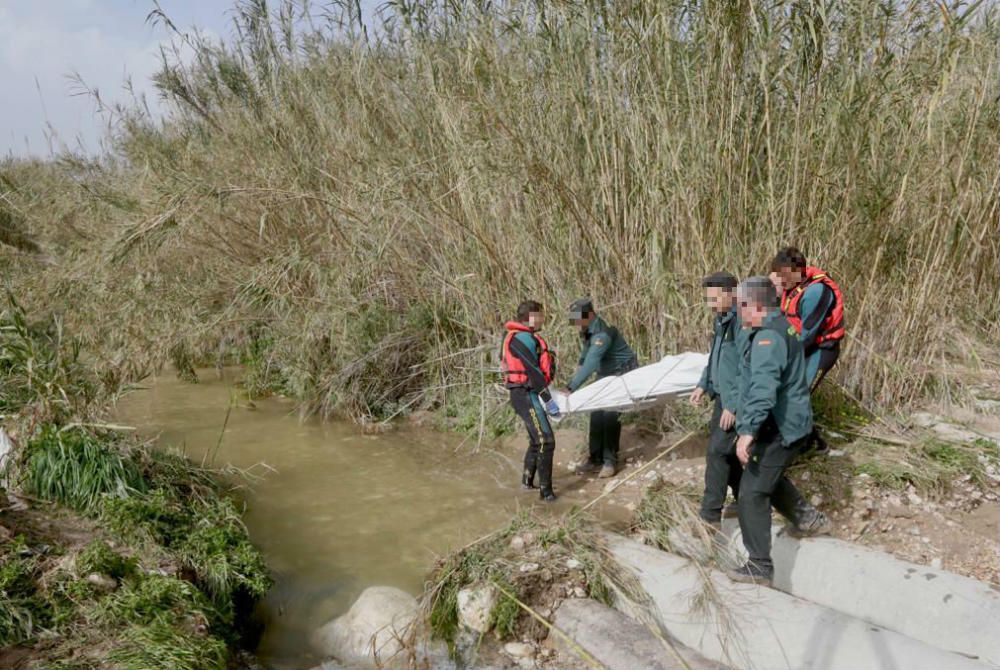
(102, 582)
(936, 563)
(518, 649)
(573, 564)
(517, 543)
(528, 567)
(914, 498)
(580, 592)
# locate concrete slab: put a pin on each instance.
(618, 642)
(940, 608)
(767, 629)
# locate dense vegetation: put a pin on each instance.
(176, 588)
(352, 213)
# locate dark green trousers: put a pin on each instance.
(605, 437)
(722, 468)
(763, 486)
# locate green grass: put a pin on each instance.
(163, 646)
(99, 557)
(77, 468)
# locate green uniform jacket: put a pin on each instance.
(773, 381)
(605, 352)
(721, 377)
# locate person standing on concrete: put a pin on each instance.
(528, 367)
(720, 382)
(774, 421)
(607, 353)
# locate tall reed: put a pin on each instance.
(354, 211)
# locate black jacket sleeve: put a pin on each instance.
(536, 378)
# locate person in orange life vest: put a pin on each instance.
(813, 303)
(529, 367)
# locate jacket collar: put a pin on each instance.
(596, 326)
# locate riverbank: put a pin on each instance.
(923, 490)
(115, 554)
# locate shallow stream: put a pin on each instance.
(334, 511)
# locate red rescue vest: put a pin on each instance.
(832, 327)
(513, 368)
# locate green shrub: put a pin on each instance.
(164, 646)
(77, 468)
(99, 557)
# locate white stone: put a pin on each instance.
(6, 453)
(368, 634)
(528, 567)
(102, 582)
(573, 564)
(518, 649)
(517, 543)
(475, 605)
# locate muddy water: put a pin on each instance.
(335, 511)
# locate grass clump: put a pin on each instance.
(548, 545)
(164, 646)
(77, 468)
(931, 467)
(21, 612)
(99, 557)
(205, 534)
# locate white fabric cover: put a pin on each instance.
(642, 387)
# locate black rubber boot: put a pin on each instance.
(547, 495)
(528, 480)
(545, 471)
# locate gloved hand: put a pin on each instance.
(552, 408)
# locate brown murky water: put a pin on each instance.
(336, 511)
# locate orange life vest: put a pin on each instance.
(515, 374)
(832, 327)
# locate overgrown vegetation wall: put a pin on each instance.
(354, 220)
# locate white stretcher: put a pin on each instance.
(642, 387)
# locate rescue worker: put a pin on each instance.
(720, 382)
(529, 367)
(607, 353)
(774, 421)
(814, 304)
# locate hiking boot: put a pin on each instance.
(607, 472)
(816, 524)
(751, 573)
(587, 468)
(547, 495)
(731, 511)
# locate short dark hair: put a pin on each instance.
(789, 257)
(719, 280)
(525, 309)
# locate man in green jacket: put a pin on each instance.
(774, 421)
(607, 353)
(720, 382)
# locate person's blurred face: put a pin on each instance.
(536, 320)
(752, 314)
(720, 300)
(787, 278)
(579, 320)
